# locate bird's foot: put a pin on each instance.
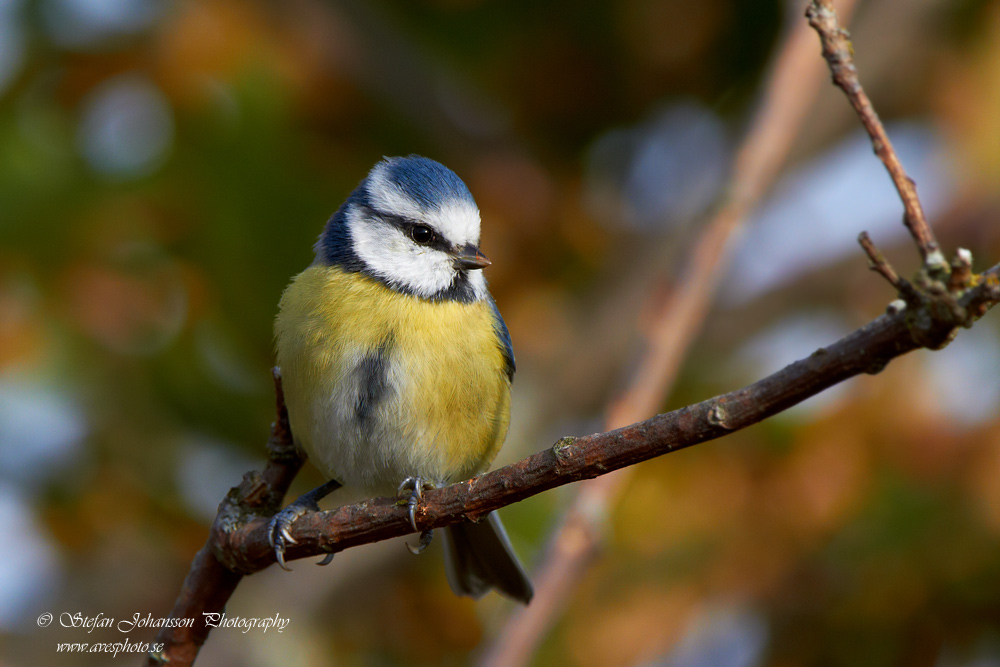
(411, 491)
(278, 531)
(279, 534)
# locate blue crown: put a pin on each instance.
(425, 181)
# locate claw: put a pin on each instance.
(411, 506)
(279, 555)
(326, 559)
(415, 486)
(279, 534)
(425, 541)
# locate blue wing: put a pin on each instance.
(503, 336)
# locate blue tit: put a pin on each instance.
(395, 361)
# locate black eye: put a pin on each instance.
(421, 234)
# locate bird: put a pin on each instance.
(396, 363)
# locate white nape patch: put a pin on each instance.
(390, 254)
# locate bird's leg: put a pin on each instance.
(278, 533)
(415, 487)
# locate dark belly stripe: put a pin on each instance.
(373, 381)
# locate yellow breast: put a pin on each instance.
(382, 385)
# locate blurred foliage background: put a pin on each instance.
(166, 166)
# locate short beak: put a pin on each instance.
(470, 258)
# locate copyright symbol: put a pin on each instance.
(44, 620)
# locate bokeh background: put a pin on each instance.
(165, 167)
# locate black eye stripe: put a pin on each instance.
(407, 226)
(435, 241)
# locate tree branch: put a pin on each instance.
(245, 548)
(838, 52)
(238, 543)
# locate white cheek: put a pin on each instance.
(388, 253)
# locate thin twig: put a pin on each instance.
(877, 261)
(838, 52)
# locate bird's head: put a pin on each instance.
(413, 225)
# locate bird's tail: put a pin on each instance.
(478, 557)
